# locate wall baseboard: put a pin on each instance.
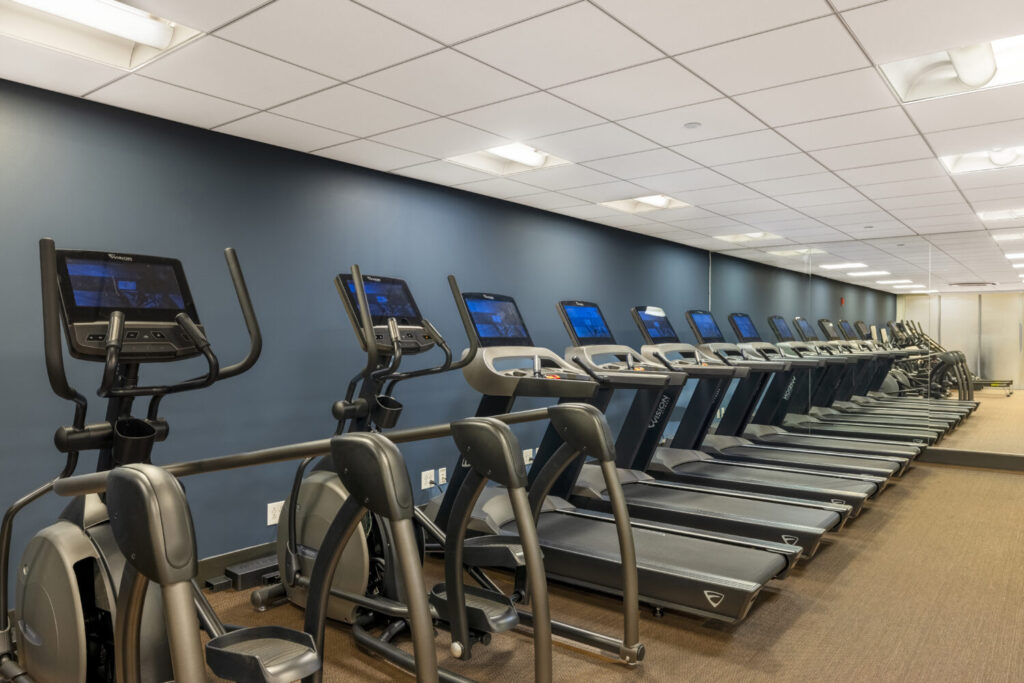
(987, 460)
(214, 565)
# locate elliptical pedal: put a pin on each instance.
(486, 611)
(270, 654)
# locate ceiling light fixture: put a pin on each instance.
(521, 154)
(1008, 236)
(1015, 255)
(110, 17)
(987, 160)
(747, 237)
(1018, 265)
(866, 273)
(907, 286)
(508, 159)
(1003, 215)
(958, 70)
(796, 252)
(892, 282)
(838, 266)
(652, 202)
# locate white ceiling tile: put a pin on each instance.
(502, 188)
(680, 25)
(716, 118)
(198, 14)
(934, 199)
(907, 187)
(529, 116)
(352, 110)
(651, 162)
(217, 67)
(874, 153)
(595, 142)
(847, 93)
(621, 220)
(978, 138)
(283, 132)
(840, 209)
(781, 218)
(983, 194)
(997, 204)
(444, 82)
(441, 138)
(586, 211)
(958, 209)
(649, 228)
(44, 68)
(745, 206)
(708, 223)
(930, 222)
(843, 5)
(450, 21)
(643, 89)
(1004, 176)
(818, 235)
(771, 168)
(442, 173)
(805, 183)
(970, 109)
(562, 177)
(606, 192)
(952, 227)
(566, 45)
(891, 31)
(851, 129)
(885, 173)
(147, 96)
(678, 214)
(794, 53)
(714, 195)
(877, 229)
(372, 155)
(549, 200)
(697, 179)
(807, 199)
(742, 147)
(339, 38)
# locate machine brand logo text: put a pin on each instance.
(660, 412)
(118, 257)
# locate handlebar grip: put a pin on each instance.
(191, 330)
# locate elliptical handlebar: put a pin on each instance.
(467, 323)
(52, 345)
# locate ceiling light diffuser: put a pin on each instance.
(865, 273)
(747, 237)
(958, 70)
(987, 160)
(110, 17)
(651, 202)
(892, 282)
(520, 153)
(507, 159)
(796, 252)
(840, 266)
(1003, 215)
(1015, 255)
(1008, 236)
(907, 286)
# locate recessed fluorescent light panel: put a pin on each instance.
(841, 266)
(959, 69)
(1015, 255)
(987, 160)
(907, 286)
(796, 252)
(892, 282)
(1018, 265)
(105, 31)
(508, 159)
(747, 237)
(1004, 215)
(866, 273)
(1008, 236)
(651, 202)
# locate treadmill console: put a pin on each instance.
(585, 323)
(829, 329)
(744, 327)
(387, 297)
(704, 327)
(863, 329)
(654, 325)
(149, 290)
(781, 328)
(593, 340)
(805, 329)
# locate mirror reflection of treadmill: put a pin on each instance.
(757, 516)
(728, 439)
(678, 567)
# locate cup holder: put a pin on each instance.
(133, 440)
(386, 411)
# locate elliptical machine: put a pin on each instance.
(79, 594)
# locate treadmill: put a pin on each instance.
(757, 515)
(838, 380)
(693, 430)
(711, 575)
(798, 418)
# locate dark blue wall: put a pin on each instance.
(94, 177)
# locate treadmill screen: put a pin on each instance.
(146, 288)
(847, 328)
(829, 328)
(387, 297)
(745, 329)
(781, 328)
(862, 327)
(496, 320)
(805, 328)
(587, 323)
(705, 327)
(656, 324)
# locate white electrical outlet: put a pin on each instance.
(274, 512)
(442, 475)
(426, 479)
(527, 455)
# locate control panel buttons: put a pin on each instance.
(133, 334)
(96, 337)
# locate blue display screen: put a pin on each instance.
(387, 298)
(805, 328)
(707, 328)
(830, 329)
(124, 285)
(847, 329)
(782, 330)
(588, 325)
(745, 327)
(497, 321)
(656, 323)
